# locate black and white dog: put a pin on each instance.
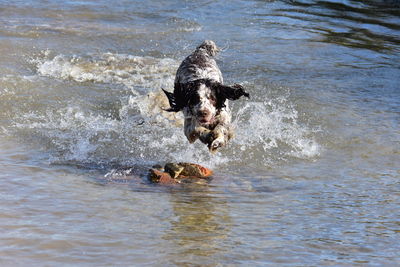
(200, 93)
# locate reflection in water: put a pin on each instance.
(359, 24)
(200, 229)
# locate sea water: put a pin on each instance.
(310, 179)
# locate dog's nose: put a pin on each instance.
(203, 113)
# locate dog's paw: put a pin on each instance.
(207, 138)
(217, 143)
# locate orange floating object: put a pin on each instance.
(195, 170)
(179, 173)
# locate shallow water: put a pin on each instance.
(310, 179)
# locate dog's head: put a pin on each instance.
(203, 103)
(203, 98)
(209, 47)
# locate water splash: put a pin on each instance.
(268, 132)
(127, 70)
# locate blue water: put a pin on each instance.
(310, 179)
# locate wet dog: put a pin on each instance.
(200, 94)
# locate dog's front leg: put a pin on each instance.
(219, 137)
(205, 134)
(194, 132)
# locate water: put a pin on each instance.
(311, 178)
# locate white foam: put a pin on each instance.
(128, 70)
(270, 130)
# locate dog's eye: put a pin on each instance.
(213, 99)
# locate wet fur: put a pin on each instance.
(200, 94)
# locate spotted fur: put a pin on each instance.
(200, 94)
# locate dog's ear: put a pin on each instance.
(172, 102)
(225, 92)
(181, 96)
(233, 92)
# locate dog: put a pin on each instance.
(200, 94)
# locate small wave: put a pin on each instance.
(183, 25)
(128, 70)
